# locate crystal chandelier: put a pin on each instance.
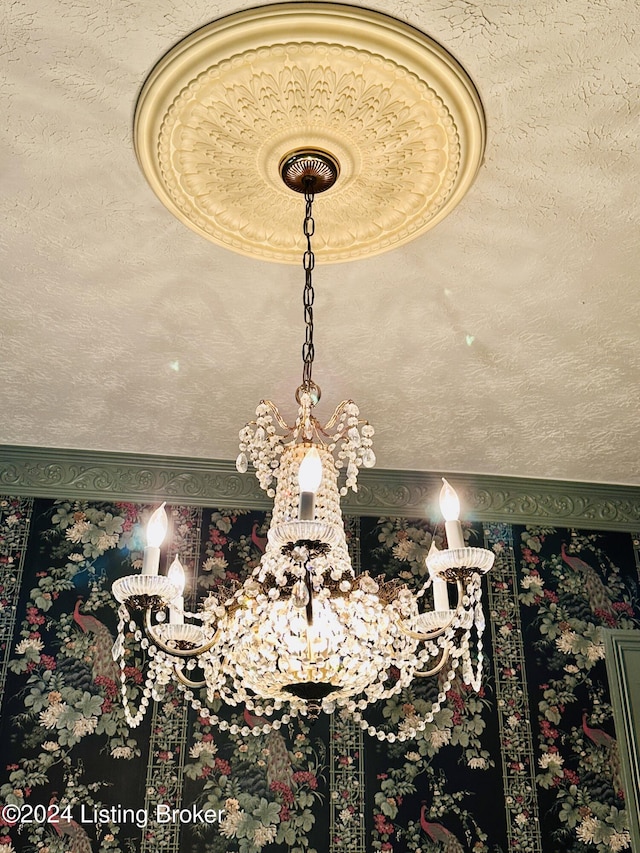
(304, 634)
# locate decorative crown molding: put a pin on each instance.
(88, 475)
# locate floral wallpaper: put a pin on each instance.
(573, 585)
(530, 763)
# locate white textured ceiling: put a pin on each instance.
(503, 341)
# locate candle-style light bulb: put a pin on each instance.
(450, 508)
(449, 503)
(156, 531)
(176, 576)
(309, 478)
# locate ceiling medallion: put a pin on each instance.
(395, 116)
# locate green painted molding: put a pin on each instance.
(98, 475)
(622, 656)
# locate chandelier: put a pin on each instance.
(304, 633)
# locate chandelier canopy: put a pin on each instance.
(304, 633)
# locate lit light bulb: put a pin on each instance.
(157, 527)
(176, 576)
(310, 471)
(450, 508)
(309, 479)
(449, 503)
(156, 531)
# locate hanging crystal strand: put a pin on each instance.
(433, 649)
(159, 671)
(472, 614)
(117, 651)
(233, 728)
(474, 679)
(421, 724)
(148, 692)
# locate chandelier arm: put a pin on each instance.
(196, 685)
(274, 411)
(438, 632)
(179, 653)
(428, 673)
(336, 414)
(423, 638)
(333, 420)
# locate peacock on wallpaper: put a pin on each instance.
(529, 764)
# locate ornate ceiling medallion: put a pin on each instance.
(224, 110)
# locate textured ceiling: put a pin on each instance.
(503, 341)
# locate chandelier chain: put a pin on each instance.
(308, 262)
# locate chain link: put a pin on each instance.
(308, 262)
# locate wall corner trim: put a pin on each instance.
(622, 655)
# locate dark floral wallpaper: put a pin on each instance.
(529, 764)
